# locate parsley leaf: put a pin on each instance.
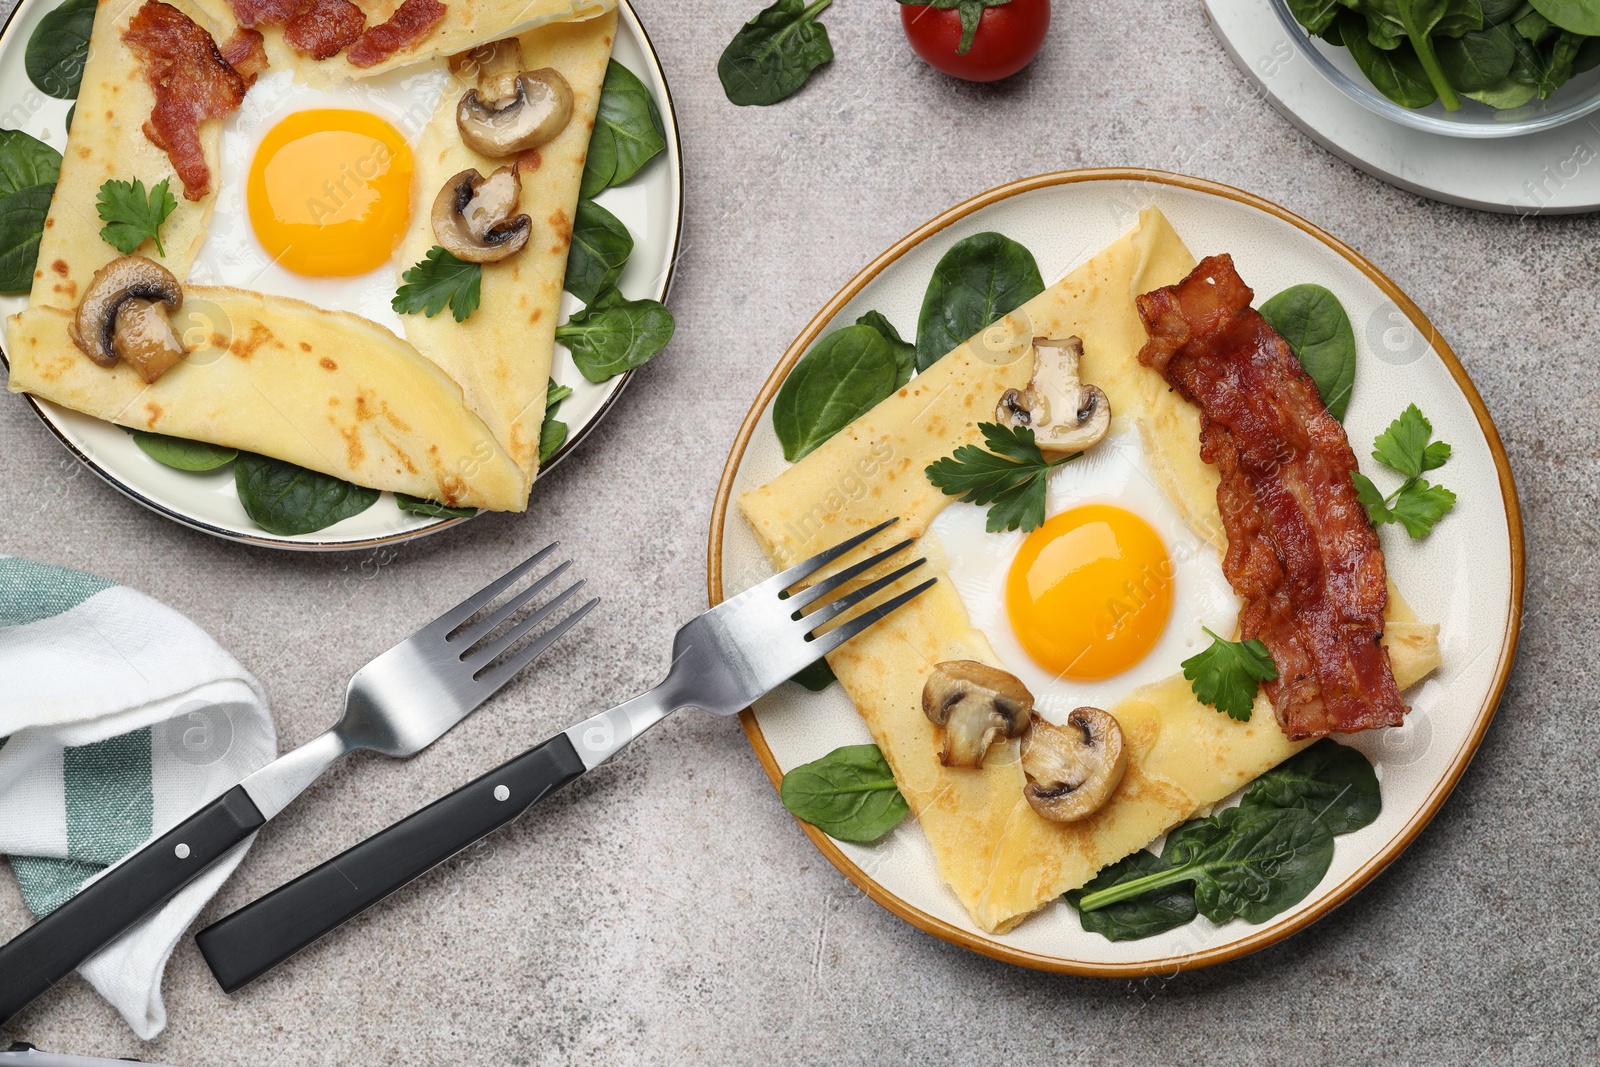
(1226, 674)
(438, 280)
(133, 216)
(1405, 448)
(1010, 477)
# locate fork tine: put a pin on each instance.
(482, 629)
(784, 579)
(477, 601)
(834, 608)
(845, 631)
(508, 670)
(487, 654)
(832, 582)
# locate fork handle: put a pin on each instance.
(245, 945)
(53, 947)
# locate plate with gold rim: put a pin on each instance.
(1467, 574)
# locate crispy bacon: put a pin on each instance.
(1301, 550)
(192, 83)
(252, 13)
(324, 28)
(245, 53)
(411, 22)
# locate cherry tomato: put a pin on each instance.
(1008, 37)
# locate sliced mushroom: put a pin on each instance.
(977, 705)
(473, 220)
(1065, 414)
(493, 67)
(124, 314)
(1072, 770)
(507, 117)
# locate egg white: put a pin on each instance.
(231, 254)
(1113, 472)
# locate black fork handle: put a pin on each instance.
(243, 946)
(53, 947)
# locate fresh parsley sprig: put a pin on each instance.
(440, 279)
(133, 216)
(1009, 478)
(1406, 449)
(1226, 674)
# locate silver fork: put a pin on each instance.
(722, 662)
(398, 704)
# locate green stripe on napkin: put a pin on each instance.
(32, 591)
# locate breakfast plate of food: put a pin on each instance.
(317, 276)
(1229, 572)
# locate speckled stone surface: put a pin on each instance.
(668, 910)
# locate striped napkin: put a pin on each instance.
(119, 718)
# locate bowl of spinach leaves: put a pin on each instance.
(1462, 68)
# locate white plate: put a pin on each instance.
(1467, 575)
(650, 205)
(1548, 172)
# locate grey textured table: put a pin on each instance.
(669, 910)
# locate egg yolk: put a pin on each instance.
(329, 192)
(1090, 591)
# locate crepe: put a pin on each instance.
(1001, 859)
(327, 390)
(499, 359)
(501, 356)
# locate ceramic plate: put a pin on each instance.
(650, 205)
(1467, 575)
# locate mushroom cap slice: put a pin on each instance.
(145, 339)
(94, 327)
(518, 114)
(1072, 770)
(977, 705)
(473, 220)
(1065, 414)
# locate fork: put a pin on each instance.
(722, 661)
(398, 704)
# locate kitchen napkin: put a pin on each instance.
(119, 717)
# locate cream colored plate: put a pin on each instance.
(1467, 575)
(650, 205)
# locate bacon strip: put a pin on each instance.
(245, 53)
(1301, 550)
(323, 28)
(252, 13)
(192, 83)
(411, 22)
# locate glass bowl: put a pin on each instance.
(1577, 98)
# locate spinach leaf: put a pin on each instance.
(601, 245)
(1152, 913)
(905, 353)
(58, 49)
(26, 161)
(614, 334)
(419, 506)
(1477, 60)
(1416, 21)
(1575, 16)
(843, 377)
(1495, 11)
(1315, 15)
(1396, 73)
(22, 216)
(774, 53)
(1533, 27)
(982, 278)
(849, 794)
(627, 132)
(1314, 323)
(285, 499)
(1507, 93)
(552, 432)
(1333, 782)
(816, 677)
(181, 454)
(1249, 863)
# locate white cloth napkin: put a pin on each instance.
(120, 718)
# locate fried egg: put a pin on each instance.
(1110, 593)
(317, 190)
